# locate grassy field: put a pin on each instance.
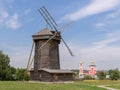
(83, 85)
(112, 84)
(115, 85)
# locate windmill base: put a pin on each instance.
(51, 75)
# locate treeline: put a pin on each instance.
(7, 72)
(112, 74)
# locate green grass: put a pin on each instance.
(108, 83)
(83, 85)
(115, 85)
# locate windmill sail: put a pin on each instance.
(51, 22)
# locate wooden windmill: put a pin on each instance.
(46, 57)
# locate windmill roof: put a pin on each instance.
(56, 70)
(45, 31)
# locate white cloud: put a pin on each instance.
(95, 7)
(100, 24)
(104, 43)
(8, 21)
(27, 11)
(13, 22)
(103, 56)
(106, 56)
(3, 15)
(18, 55)
(113, 15)
(108, 20)
(110, 39)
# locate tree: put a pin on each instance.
(101, 75)
(88, 77)
(26, 76)
(12, 72)
(114, 74)
(6, 71)
(4, 66)
(21, 75)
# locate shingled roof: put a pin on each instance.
(56, 70)
(45, 31)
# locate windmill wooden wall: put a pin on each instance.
(47, 56)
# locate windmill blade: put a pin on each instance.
(44, 17)
(63, 28)
(50, 16)
(30, 63)
(64, 42)
(66, 26)
(51, 22)
(30, 56)
(67, 47)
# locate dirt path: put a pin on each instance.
(108, 88)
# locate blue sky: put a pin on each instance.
(94, 34)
